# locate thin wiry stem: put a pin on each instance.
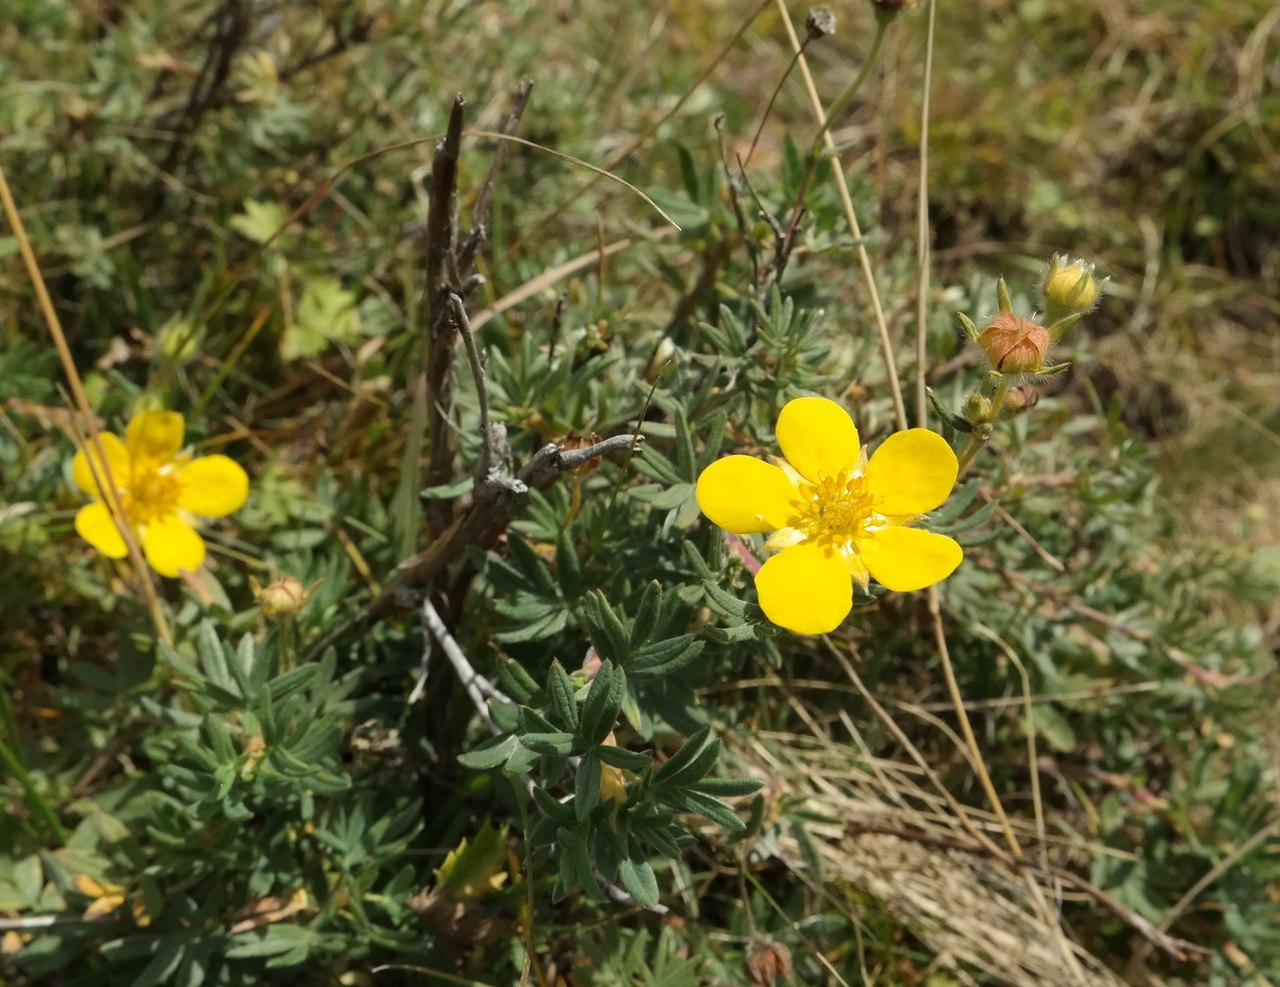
(106, 484)
(851, 217)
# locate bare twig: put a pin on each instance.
(442, 327)
(496, 502)
(480, 213)
(479, 689)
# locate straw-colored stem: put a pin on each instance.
(851, 217)
(106, 484)
(922, 408)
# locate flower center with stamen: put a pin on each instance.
(153, 493)
(836, 509)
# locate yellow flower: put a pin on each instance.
(837, 517)
(162, 490)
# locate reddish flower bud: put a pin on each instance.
(1014, 344)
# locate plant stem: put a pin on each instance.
(973, 443)
(36, 801)
(851, 217)
(106, 484)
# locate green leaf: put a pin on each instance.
(604, 699)
(560, 744)
(327, 313)
(168, 956)
(686, 459)
(563, 706)
(548, 626)
(577, 863)
(684, 800)
(586, 786)
(448, 491)
(552, 806)
(685, 756)
(664, 657)
(620, 757)
(532, 566)
(531, 721)
(692, 770)
(638, 878)
(516, 680)
(213, 659)
(259, 221)
(489, 754)
(723, 602)
(605, 627)
(276, 941)
(521, 760)
(505, 716)
(659, 835)
(728, 786)
(646, 615)
(568, 569)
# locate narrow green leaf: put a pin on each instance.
(620, 757)
(564, 707)
(505, 716)
(213, 660)
(723, 602)
(693, 770)
(586, 786)
(606, 629)
(646, 615)
(684, 800)
(663, 658)
(729, 787)
(604, 699)
(568, 568)
(686, 460)
(552, 806)
(489, 754)
(516, 680)
(580, 865)
(688, 751)
(532, 566)
(638, 878)
(531, 721)
(558, 743)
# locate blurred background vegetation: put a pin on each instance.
(155, 148)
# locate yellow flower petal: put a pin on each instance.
(154, 435)
(94, 525)
(117, 462)
(745, 495)
(213, 486)
(103, 906)
(912, 472)
(905, 559)
(805, 589)
(818, 437)
(172, 545)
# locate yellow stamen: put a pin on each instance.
(837, 509)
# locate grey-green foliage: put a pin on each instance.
(559, 735)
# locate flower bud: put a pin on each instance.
(613, 783)
(285, 595)
(1069, 288)
(1021, 399)
(977, 408)
(1014, 344)
(887, 10)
